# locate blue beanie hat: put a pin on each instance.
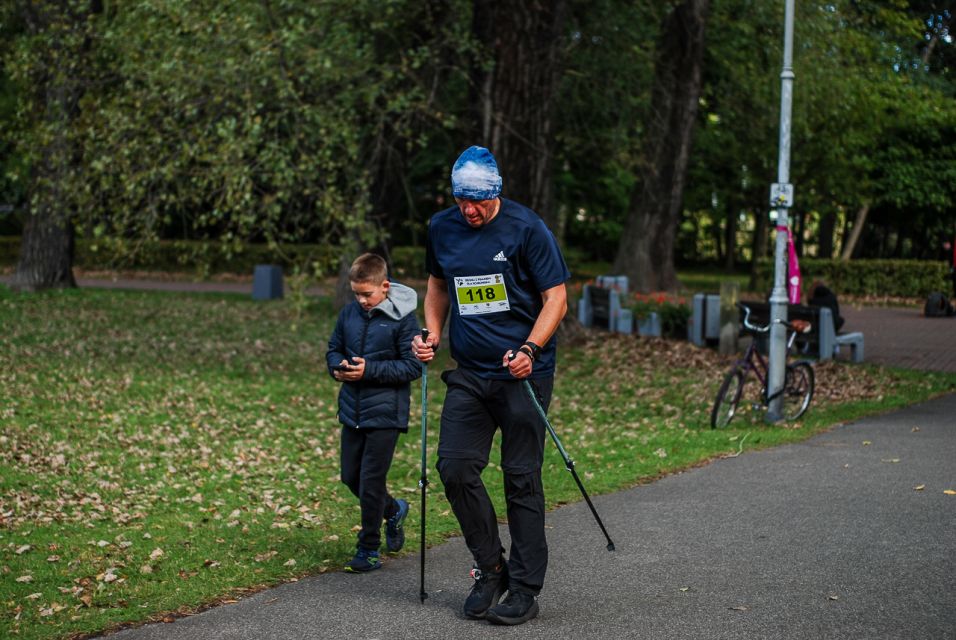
(475, 175)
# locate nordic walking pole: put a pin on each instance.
(423, 481)
(568, 462)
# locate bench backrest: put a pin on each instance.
(600, 306)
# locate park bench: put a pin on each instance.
(822, 340)
(601, 307)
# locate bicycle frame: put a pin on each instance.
(753, 360)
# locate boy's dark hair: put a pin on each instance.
(369, 267)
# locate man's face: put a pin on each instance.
(370, 294)
(478, 212)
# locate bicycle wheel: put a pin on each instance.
(728, 397)
(797, 390)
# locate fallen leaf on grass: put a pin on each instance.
(832, 597)
(23, 549)
(53, 608)
(26, 578)
(867, 443)
(919, 487)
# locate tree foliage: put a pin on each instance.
(283, 120)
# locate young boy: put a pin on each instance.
(368, 353)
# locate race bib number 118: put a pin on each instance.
(481, 294)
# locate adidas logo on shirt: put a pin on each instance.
(500, 257)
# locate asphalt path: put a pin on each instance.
(829, 538)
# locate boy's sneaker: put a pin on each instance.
(517, 608)
(487, 590)
(394, 531)
(365, 560)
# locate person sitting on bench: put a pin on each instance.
(822, 296)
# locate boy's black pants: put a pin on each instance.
(366, 457)
(474, 409)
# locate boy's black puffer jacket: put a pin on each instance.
(383, 336)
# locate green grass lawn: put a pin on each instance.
(160, 452)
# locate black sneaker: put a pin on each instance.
(517, 608)
(365, 560)
(394, 531)
(489, 585)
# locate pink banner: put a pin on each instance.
(793, 269)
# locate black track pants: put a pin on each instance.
(366, 457)
(474, 409)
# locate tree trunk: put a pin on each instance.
(825, 242)
(515, 104)
(46, 251)
(646, 251)
(46, 247)
(47, 244)
(758, 245)
(730, 239)
(850, 245)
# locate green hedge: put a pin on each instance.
(208, 257)
(186, 256)
(893, 278)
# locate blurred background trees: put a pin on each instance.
(336, 123)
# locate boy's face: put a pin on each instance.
(370, 294)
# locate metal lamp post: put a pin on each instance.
(781, 198)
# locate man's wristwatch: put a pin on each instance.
(531, 349)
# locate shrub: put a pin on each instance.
(895, 278)
(196, 256)
(408, 262)
(672, 310)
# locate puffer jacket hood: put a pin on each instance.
(400, 302)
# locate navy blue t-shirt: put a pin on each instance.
(495, 276)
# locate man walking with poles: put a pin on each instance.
(498, 268)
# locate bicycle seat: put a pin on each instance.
(801, 326)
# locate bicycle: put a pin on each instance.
(797, 388)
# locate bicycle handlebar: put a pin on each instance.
(747, 322)
(803, 328)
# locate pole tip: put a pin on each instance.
(423, 595)
(610, 546)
